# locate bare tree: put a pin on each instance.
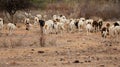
(12, 6)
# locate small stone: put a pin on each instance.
(97, 59)
(13, 63)
(69, 40)
(32, 50)
(115, 58)
(110, 45)
(89, 61)
(54, 64)
(61, 59)
(41, 52)
(81, 62)
(85, 60)
(84, 43)
(76, 61)
(57, 52)
(102, 65)
(114, 48)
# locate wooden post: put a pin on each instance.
(42, 38)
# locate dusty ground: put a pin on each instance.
(22, 49)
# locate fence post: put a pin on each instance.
(42, 38)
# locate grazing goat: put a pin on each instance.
(89, 28)
(89, 20)
(95, 26)
(61, 17)
(27, 20)
(76, 24)
(115, 30)
(39, 16)
(81, 24)
(27, 23)
(36, 20)
(59, 23)
(11, 27)
(72, 25)
(100, 24)
(49, 26)
(104, 32)
(55, 17)
(56, 26)
(112, 30)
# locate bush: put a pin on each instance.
(107, 9)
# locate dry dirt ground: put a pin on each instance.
(22, 49)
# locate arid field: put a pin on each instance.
(22, 49)
(59, 33)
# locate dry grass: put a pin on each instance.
(104, 9)
(61, 50)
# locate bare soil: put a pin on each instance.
(22, 49)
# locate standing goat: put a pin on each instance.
(36, 21)
(89, 28)
(11, 27)
(81, 24)
(105, 30)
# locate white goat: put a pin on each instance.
(115, 30)
(81, 24)
(36, 21)
(11, 27)
(26, 20)
(48, 27)
(27, 23)
(89, 20)
(59, 23)
(39, 16)
(89, 28)
(63, 21)
(72, 25)
(55, 17)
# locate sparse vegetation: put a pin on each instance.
(61, 47)
(12, 6)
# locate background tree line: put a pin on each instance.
(107, 9)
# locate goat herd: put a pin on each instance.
(59, 24)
